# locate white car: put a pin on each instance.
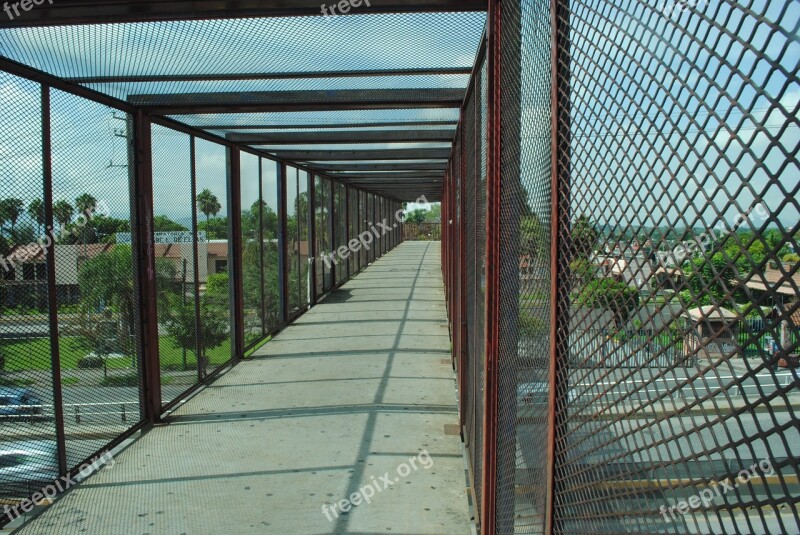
(27, 467)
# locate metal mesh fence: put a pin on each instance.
(27, 396)
(180, 270)
(75, 355)
(340, 198)
(692, 143)
(215, 327)
(646, 374)
(94, 271)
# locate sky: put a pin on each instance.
(686, 101)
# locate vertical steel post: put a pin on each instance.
(347, 227)
(235, 250)
(260, 237)
(52, 294)
(196, 253)
(492, 310)
(145, 279)
(560, 156)
(315, 252)
(283, 243)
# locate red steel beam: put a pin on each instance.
(492, 311)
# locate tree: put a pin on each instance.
(214, 325)
(36, 213)
(417, 216)
(216, 228)
(106, 228)
(533, 238)
(63, 212)
(607, 294)
(208, 204)
(435, 214)
(106, 281)
(584, 237)
(11, 209)
(162, 223)
(85, 203)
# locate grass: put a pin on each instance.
(171, 356)
(16, 382)
(26, 355)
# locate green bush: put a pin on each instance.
(530, 325)
(4, 381)
(91, 362)
(129, 379)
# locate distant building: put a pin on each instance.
(713, 332)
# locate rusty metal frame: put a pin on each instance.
(312, 203)
(142, 201)
(52, 294)
(492, 310)
(195, 251)
(235, 251)
(283, 275)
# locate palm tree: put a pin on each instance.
(3, 215)
(85, 203)
(12, 209)
(36, 212)
(63, 212)
(208, 203)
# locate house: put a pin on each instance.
(713, 332)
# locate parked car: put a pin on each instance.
(19, 404)
(27, 467)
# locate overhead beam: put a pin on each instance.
(71, 12)
(398, 175)
(318, 126)
(282, 101)
(298, 75)
(388, 154)
(328, 137)
(408, 166)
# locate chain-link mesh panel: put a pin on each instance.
(176, 264)
(252, 270)
(292, 242)
(27, 394)
(471, 130)
(94, 265)
(679, 186)
(352, 224)
(320, 220)
(214, 342)
(271, 257)
(340, 210)
(304, 221)
(362, 225)
(525, 274)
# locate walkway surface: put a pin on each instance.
(335, 407)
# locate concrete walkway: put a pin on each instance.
(336, 406)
